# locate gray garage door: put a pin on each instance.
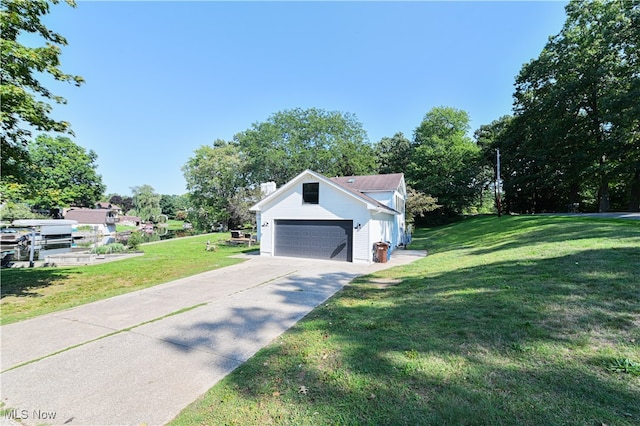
(317, 239)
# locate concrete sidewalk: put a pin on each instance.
(141, 357)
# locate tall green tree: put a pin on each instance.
(146, 203)
(239, 205)
(21, 93)
(214, 175)
(393, 154)
(515, 175)
(490, 139)
(171, 204)
(124, 202)
(290, 141)
(62, 174)
(446, 162)
(222, 178)
(576, 107)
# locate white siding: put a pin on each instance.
(390, 198)
(381, 228)
(386, 230)
(333, 205)
(259, 225)
(385, 197)
(361, 246)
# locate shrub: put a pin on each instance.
(12, 211)
(134, 241)
(109, 249)
(149, 238)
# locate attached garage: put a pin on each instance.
(317, 239)
(340, 218)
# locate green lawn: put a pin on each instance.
(172, 225)
(27, 293)
(175, 225)
(508, 321)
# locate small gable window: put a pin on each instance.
(310, 192)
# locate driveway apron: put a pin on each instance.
(141, 357)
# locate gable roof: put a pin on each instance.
(371, 183)
(107, 205)
(365, 197)
(88, 216)
(353, 192)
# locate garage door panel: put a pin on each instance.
(318, 239)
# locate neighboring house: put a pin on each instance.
(105, 220)
(147, 228)
(108, 206)
(129, 220)
(337, 218)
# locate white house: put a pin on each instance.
(337, 218)
(102, 221)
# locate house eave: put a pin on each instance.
(356, 195)
(379, 209)
(258, 206)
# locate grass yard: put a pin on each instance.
(175, 225)
(508, 321)
(26, 293)
(172, 225)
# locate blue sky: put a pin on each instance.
(164, 78)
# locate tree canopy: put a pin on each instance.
(446, 162)
(146, 203)
(124, 202)
(393, 154)
(61, 174)
(214, 175)
(21, 93)
(172, 204)
(223, 179)
(329, 142)
(575, 136)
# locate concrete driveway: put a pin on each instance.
(141, 357)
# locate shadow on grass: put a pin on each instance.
(495, 344)
(22, 282)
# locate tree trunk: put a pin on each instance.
(634, 191)
(604, 204)
(574, 198)
(574, 192)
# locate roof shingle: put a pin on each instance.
(88, 216)
(370, 183)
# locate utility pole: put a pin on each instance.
(498, 203)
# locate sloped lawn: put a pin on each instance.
(512, 320)
(31, 292)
